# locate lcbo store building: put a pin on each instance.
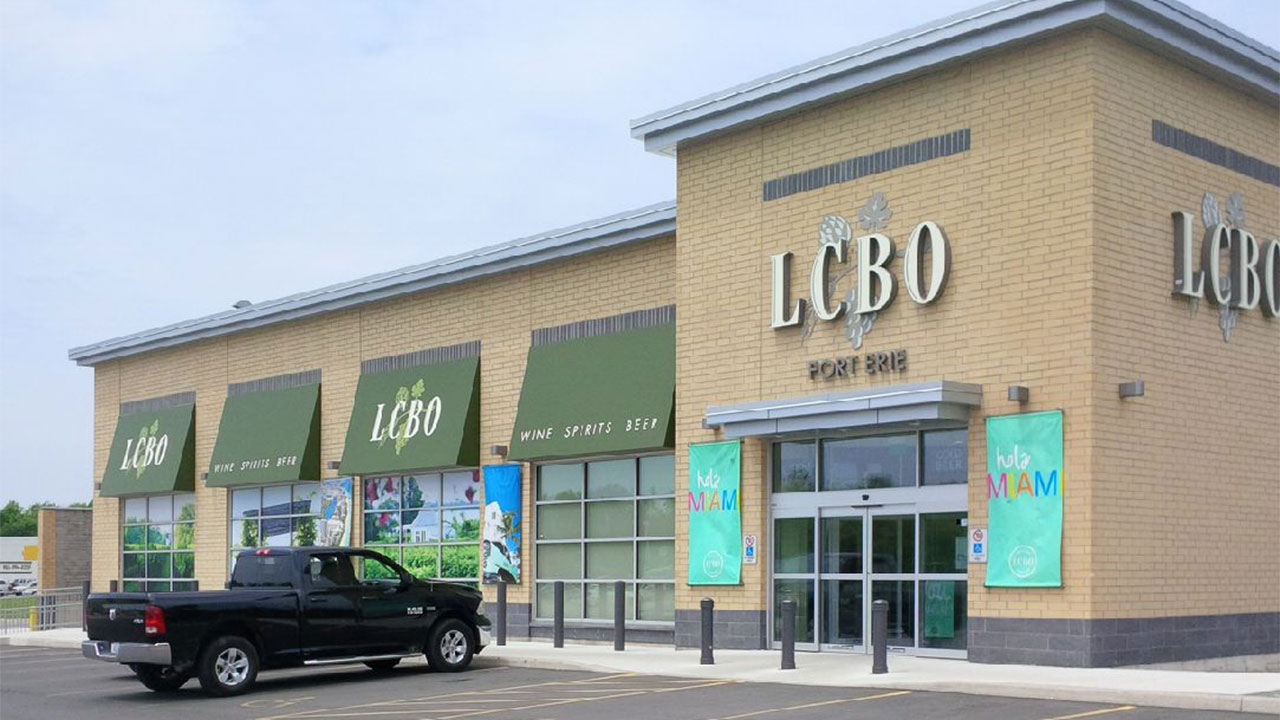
(978, 319)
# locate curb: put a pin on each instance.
(1147, 698)
(57, 643)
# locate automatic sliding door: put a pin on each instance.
(893, 568)
(842, 584)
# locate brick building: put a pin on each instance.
(1035, 212)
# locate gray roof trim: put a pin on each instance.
(913, 402)
(644, 223)
(1165, 26)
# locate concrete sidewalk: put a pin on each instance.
(1239, 691)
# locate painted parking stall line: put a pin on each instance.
(1093, 713)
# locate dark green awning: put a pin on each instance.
(603, 394)
(153, 452)
(415, 419)
(269, 436)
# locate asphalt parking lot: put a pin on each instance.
(37, 683)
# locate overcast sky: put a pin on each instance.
(161, 160)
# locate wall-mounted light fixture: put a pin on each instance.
(1133, 388)
(499, 450)
(204, 476)
(1019, 394)
(334, 464)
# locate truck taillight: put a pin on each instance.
(153, 620)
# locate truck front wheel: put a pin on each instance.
(228, 666)
(451, 646)
(160, 678)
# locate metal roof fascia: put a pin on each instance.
(1179, 30)
(640, 224)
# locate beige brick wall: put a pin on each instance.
(1016, 209)
(499, 311)
(1188, 477)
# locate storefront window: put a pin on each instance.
(879, 461)
(274, 516)
(159, 543)
(794, 467)
(427, 522)
(946, 457)
(603, 521)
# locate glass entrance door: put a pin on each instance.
(842, 583)
(834, 562)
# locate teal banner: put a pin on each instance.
(715, 517)
(1024, 500)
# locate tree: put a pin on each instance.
(16, 522)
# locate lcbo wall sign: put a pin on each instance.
(874, 286)
(1252, 279)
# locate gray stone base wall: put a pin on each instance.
(733, 629)
(1109, 643)
(518, 617)
(601, 634)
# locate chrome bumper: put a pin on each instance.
(129, 653)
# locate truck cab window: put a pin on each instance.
(330, 571)
(374, 570)
(262, 571)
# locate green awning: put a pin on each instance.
(607, 393)
(268, 436)
(415, 418)
(153, 452)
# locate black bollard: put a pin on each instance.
(708, 615)
(195, 585)
(619, 615)
(84, 605)
(879, 637)
(788, 634)
(502, 613)
(557, 636)
(115, 586)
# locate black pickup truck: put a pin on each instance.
(287, 607)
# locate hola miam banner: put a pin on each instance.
(715, 516)
(502, 535)
(1025, 482)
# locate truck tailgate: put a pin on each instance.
(127, 623)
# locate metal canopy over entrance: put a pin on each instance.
(940, 400)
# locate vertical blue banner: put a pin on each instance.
(501, 544)
(715, 513)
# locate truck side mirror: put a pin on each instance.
(406, 581)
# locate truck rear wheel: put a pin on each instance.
(451, 646)
(228, 666)
(160, 678)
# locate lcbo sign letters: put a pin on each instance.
(875, 287)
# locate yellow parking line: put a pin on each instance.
(326, 712)
(1092, 713)
(817, 704)
(551, 703)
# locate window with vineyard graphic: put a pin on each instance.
(427, 522)
(159, 543)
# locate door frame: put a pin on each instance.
(911, 500)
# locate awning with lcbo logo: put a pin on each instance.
(153, 450)
(416, 411)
